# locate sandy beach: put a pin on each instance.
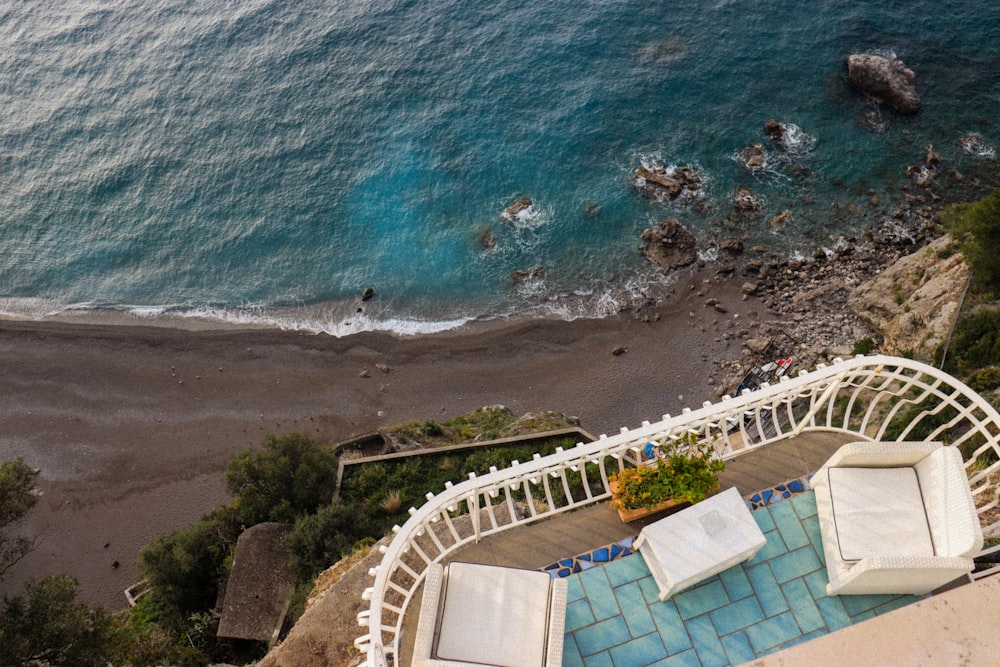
(132, 426)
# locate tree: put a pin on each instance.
(977, 226)
(17, 497)
(319, 540)
(48, 626)
(292, 476)
(185, 568)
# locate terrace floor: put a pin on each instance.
(775, 600)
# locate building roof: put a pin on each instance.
(260, 585)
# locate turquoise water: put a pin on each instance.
(267, 161)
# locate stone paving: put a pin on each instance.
(775, 600)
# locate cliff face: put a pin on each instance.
(913, 303)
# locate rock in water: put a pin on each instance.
(668, 182)
(519, 206)
(670, 245)
(887, 80)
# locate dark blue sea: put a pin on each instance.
(266, 161)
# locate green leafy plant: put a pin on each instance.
(685, 470)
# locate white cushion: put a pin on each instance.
(879, 512)
(494, 616)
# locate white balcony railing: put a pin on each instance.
(876, 397)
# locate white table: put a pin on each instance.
(697, 542)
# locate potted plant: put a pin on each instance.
(683, 470)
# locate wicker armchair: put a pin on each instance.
(895, 518)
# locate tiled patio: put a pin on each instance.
(775, 600)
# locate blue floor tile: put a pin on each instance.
(769, 594)
(736, 583)
(737, 616)
(772, 548)
(764, 520)
(772, 632)
(795, 564)
(635, 610)
(702, 599)
(639, 652)
(602, 598)
(803, 606)
(671, 626)
(706, 642)
(789, 526)
(804, 505)
(857, 604)
(817, 582)
(599, 660)
(650, 590)
(578, 615)
(571, 654)
(574, 589)
(686, 659)
(737, 648)
(602, 636)
(834, 614)
(625, 570)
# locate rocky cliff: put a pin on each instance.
(913, 303)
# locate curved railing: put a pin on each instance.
(877, 398)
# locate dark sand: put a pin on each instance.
(132, 426)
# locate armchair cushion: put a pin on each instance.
(473, 614)
(879, 512)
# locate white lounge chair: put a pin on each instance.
(895, 518)
(474, 615)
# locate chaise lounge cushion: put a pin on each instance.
(494, 615)
(879, 512)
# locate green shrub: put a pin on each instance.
(291, 476)
(319, 540)
(977, 227)
(863, 346)
(985, 379)
(976, 342)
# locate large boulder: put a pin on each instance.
(887, 80)
(670, 245)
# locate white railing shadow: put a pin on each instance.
(876, 398)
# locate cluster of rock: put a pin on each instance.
(668, 183)
(670, 245)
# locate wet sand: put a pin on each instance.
(132, 426)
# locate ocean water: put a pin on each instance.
(266, 161)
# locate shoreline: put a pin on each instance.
(132, 426)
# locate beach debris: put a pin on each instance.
(668, 182)
(368, 294)
(886, 80)
(365, 373)
(669, 244)
(524, 275)
(385, 368)
(620, 350)
(749, 288)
